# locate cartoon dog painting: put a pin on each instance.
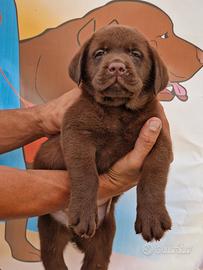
(45, 58)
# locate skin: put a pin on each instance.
(27, 189)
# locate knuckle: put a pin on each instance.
(148, 140)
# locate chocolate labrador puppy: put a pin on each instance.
(120, 75)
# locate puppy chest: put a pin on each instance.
(115, 145)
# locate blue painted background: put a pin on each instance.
(9, 62)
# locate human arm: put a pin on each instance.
(29, 193)
(37, 192)
(22, 126)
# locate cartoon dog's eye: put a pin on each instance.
(136, 54)
(99, 53)
(164, 36)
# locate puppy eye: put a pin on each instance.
(136, 54)
(99, 53)
(164, 36)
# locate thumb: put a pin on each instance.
(133, 161)
(143, 145)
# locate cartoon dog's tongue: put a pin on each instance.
(180, 91)
(173, 90)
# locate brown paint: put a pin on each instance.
(45, 58)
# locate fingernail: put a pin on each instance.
(154, 125)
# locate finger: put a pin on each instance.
(61, 105)
(67, 100)
(71, 96)
(146, 140)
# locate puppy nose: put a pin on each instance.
(117, 68)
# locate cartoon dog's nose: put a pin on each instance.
(118, 68)
(200, 55)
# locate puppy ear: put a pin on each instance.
(160, 73)
(76, 65)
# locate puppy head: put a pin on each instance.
(118, 67)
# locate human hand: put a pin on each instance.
(51, 113)
(126, 172)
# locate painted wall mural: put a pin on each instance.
(38, 40)
(49, 53)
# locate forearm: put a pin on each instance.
(19, 127)
(30, 193)
(38, 192)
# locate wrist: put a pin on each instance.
(113, 184)
(39, 112)
(33, 122)
(123, 181)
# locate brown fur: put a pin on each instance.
(97, 131)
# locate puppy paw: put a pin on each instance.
(83, 220)
(152, 224)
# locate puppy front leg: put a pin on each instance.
(79, 154)
(152, 217)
